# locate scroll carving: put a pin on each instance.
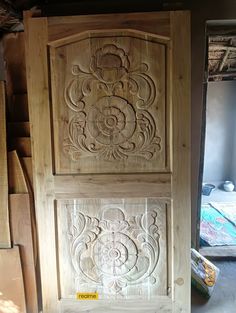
(111, 128)
(114, 252)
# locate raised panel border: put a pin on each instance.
(164, 301)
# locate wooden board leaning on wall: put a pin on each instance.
(5, 241)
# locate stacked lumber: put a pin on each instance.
(19, 213)
(23, 227)
(12, 295)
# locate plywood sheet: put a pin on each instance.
(4, 215)
(22, 235)
(12, 295)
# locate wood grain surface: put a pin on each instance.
(5, 241)
(22, 235)
(12, 297)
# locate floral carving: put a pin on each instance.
(111, 128)
(115, 251)
(115, 254)
(109, 64)
(111, 121)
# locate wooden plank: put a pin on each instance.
(26, 163)
(180, 25)
(89, 186)
(22, 145)
(22, 235)
(5, 241)
(18, 129)
(12, 296)
(220, 75)
(17, 181)
(38, 94)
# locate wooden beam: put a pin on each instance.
(5, 240)
(222, 63)
(213, 47)
(223, 74)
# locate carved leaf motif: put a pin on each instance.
(140, 78)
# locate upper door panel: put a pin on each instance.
(109, 103)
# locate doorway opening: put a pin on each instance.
(218, 196)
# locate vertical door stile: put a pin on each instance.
(39, 109)
(180, 24)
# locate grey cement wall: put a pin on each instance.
(233, 161)
(220, 139)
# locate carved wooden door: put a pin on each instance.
(109, 109)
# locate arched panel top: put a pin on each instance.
(133, 33)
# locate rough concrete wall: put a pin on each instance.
(220, 131)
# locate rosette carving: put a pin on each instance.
(111, 128)
(115, 251)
